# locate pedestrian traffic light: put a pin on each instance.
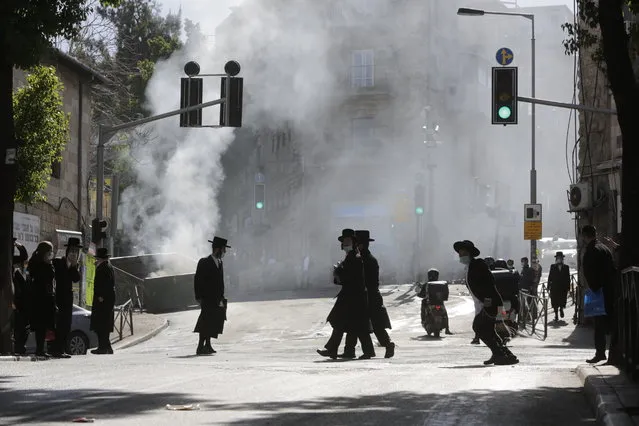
(504, 100)
(98, 231)
(420, 192)
(233, 102)
(260, 195)
(190, 95)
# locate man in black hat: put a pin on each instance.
(376, 309)
(559, 284)
(67, 272)
(102, 314)
(209, 292)
(350, 312)
(21, 300)
(481, 284)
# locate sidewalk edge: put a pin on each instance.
(602, 398)
(144, 337)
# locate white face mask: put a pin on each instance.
(559, 261)
(464, 260)
(347, 249)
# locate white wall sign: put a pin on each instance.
(26, 228)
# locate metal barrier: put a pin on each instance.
(123, 317)
(628, 322)
(533, 308)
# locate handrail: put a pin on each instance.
(124, 313)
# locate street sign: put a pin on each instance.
(532, 212)
(260, 178)
(504, 56)
(532, 231)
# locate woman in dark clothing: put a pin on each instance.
(21, 299)
(42, 285)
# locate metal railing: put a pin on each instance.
(628, 322)
(532, 309)
(123, 318)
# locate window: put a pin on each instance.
(362, 68)
(56, 170)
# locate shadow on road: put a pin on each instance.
(579, 338)
(426, 337)
(538, 407)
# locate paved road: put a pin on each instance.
(267, 372)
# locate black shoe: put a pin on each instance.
(347, 355)
(506, 360)
(561, 312)
(367, 356)
(475, 341)
(596, 359)
(201, 350)
(210, 350)
(450, 333)
(327, 353)
(390, 350)
(99, 351)
(60, 356)
(556, 319)
(490, 360)
(42, 355)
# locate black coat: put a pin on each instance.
(377, 310)
(209, 291)
(481, 283)
(350, 312)
(65, 276)
(600, 272)
(102, 314)
(559, 285)
(527, 279)
(21, 294)
(42, 285)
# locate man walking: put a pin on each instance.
(102, 314)
(376, 309)
(21, 300)
(559, 284)
(481, 285)
(600, 273)
(209, 292)
(66, 273)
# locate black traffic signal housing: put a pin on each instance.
(233, 102)
(98, 231)
(191, 91)
(260, 196)
(504, 95)
(420, 199)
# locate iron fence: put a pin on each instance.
(533, 309)
(124, 318)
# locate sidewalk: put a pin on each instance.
(145, 327)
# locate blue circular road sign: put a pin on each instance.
(504, 56)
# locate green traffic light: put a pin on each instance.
(259, 205)
(504, 112)
(419, 210)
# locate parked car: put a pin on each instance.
(80, 339)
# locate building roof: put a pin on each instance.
(79, 67)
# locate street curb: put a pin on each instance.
(144, 337)
(603, 398)
(15, 358)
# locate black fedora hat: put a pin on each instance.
(468, 245)
(559, 254)
(347, 233)
(73, 242)
(219, 242)
(102, 253)
(363, 235)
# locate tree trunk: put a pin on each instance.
(7, 193)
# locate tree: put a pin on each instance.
(43, 128)
(603, 31)
(27, 28)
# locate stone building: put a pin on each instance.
(67, 203)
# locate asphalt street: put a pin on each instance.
(267, 372)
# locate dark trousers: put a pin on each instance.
(20, 333)
(601, 329)
(351, 340)
(62, 330)
(40, 335)
(484, 327)
(104, 342)
(336, 340)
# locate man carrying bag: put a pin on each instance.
(601, 276)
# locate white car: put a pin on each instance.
(80, 339)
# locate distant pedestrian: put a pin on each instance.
(481, 285)
(42, 284)
(209, 292)
(67, 272)
(21, 300)
(102, 309)
(600, 273)
(559, 285)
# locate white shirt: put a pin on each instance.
(479, 305)
(217, 261)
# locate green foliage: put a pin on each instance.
(30, 25)
(42, 125)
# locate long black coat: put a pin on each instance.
(350, 312)
(102, 314)
(481, 283)
(22, 295)
(600, 272)
(559, 285)
(209, 291)
(377, 310)
(65, 276)
(42, 284)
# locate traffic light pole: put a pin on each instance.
(533, 170)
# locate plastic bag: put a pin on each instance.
(594, 304)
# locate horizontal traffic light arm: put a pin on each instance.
(566, 105)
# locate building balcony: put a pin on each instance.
(368, 81)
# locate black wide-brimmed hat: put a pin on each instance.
(219, 242)
(73, 242)
(347, 233)
(363, 235)
(468, 245)
(559, 254)
(102, 253)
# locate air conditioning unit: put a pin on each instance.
(579, 197)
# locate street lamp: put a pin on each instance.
(463, 11)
